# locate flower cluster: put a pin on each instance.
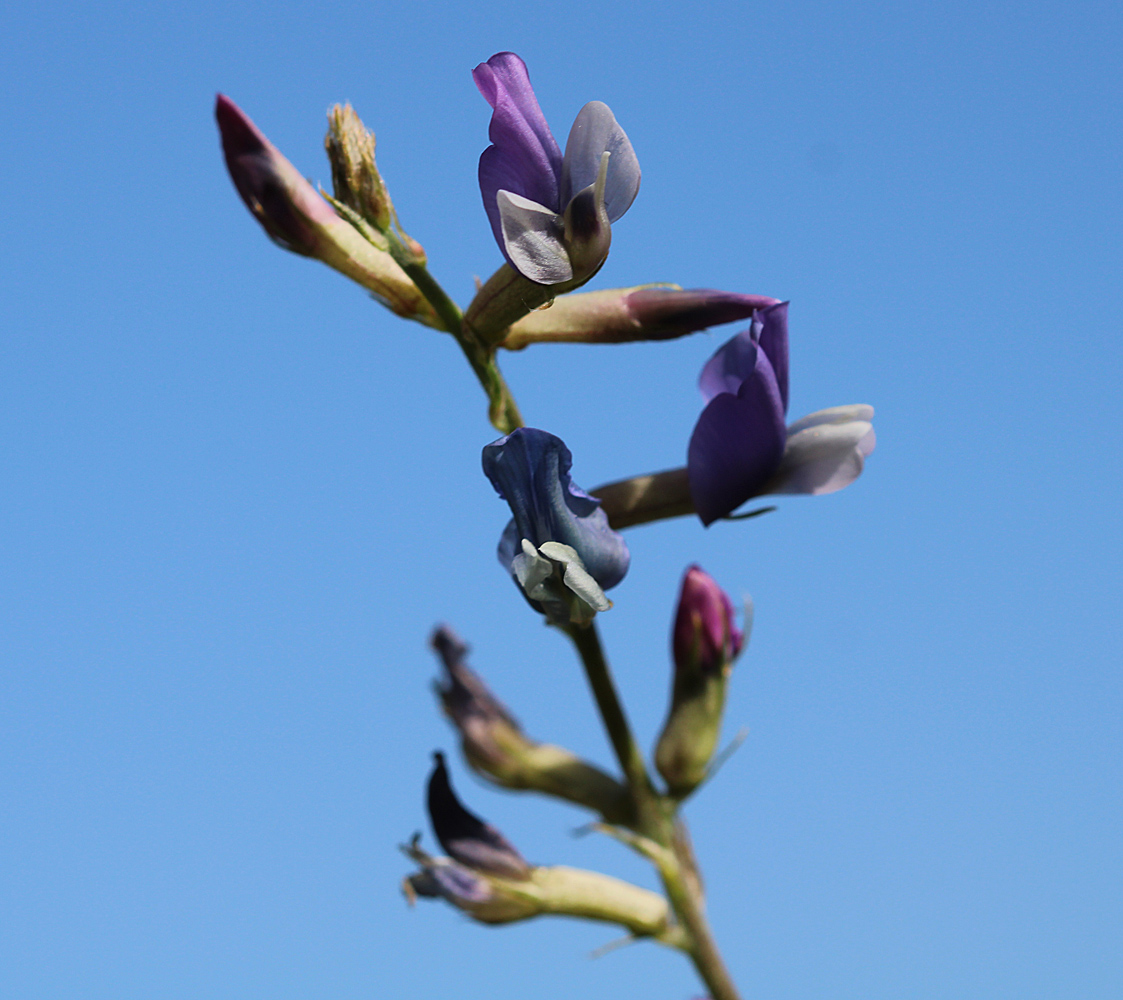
(551, 214)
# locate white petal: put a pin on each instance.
(595, 132)
(532, 237)
(825, 451)
(833, 415)
(531, 570)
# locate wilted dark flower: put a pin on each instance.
(467, 838)
(496, 747)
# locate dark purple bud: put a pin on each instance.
(466, 837)
(679, 311)
(286, 205)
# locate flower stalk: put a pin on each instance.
(659, 835)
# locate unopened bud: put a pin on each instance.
(496, 747)
(705, 641)
(623, 315)
(354, 174)
(297, 218)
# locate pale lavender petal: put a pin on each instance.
(594, 132)
(737, 444)
(524, 156)
(773, 340)
(825, 451)
(729, 366)
(532, 239)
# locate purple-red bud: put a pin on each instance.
(623, 315)
(705, 642)
(705, 639)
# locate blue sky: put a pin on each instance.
(238, 495)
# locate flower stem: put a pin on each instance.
(628, 754)
(663, 838)
(502, 409)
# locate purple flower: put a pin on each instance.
(529, 468)
(740, 447)
(551, 215)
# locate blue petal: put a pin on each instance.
(529, 469)
(737, 444)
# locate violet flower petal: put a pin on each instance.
(595, 132)
(734, 360)
(729, 365)
(773, 340)
(825, 451)
(737, 444)
(524, 157)
(529, 468)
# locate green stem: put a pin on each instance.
(662, 838)
(628, 753)
(684, 890)
(502, 409)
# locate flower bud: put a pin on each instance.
(705, 641)
(553, 889)
(622, 315)
(297, 218)
(354, 174)
(496, 747)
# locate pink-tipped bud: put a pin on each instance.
(286, 205)
(297, 218)
(705, 641)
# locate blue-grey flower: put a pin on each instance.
(740, 447)
(529, 468)
(551, 214)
